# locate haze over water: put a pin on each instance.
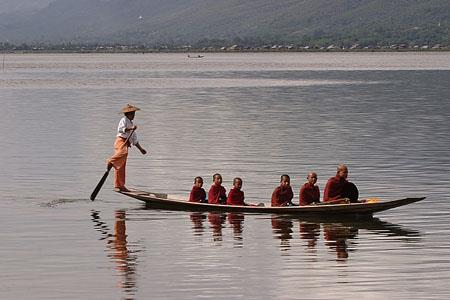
(256, 116)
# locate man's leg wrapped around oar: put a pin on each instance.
(118, 161)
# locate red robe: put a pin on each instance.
(309, 194)
(217, 194)
(281, 197)
(334, 189)
(198, 194)
(235, 197)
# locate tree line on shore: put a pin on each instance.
(215, 46)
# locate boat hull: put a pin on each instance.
(164, 201)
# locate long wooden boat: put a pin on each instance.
(169, 202)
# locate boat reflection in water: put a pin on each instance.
(336, 235)
(197, 219)
(282, 230)
(311, 233)
(217, 221)
(120, 251)
(236, 221)
(340, 237)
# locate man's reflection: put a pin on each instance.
(282, 229)
(125, 260)
(337, 238)
(216, 220)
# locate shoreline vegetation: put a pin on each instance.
(280, 49)
(221, 46)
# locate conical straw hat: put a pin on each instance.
(130, 108)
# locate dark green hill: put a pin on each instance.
(156, 22)
(23, 6)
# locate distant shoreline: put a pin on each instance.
(148, 51)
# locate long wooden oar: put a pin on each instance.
(102, 180)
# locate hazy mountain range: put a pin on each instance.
(155, 22)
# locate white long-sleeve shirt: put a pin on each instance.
(123, 124)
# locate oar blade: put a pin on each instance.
(99, 185)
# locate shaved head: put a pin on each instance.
(342, 167)
(312, 174)
(342, 171)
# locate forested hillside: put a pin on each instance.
(22, 6)
(177, 22)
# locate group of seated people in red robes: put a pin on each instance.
(217, 193)
(337, 190)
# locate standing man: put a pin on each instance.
(282, 195)
(309, 192)
(126, 136)
(338, 189)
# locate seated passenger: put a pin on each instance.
(338, 189)
(309, 192)
(198, 194)
(217, 193)
(282, 195)
(236, 196)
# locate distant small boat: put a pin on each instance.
(366, 210)
(195, 56)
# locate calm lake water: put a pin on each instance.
(256, 116)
